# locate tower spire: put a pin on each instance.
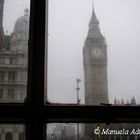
(92, 5)
(94, 31)
(93, 17)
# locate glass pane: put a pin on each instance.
(70, 131)
(61, 131)
(14, 33)
(93, 52)
(12, 132)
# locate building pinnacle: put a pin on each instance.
(92, 5)
(94, 31)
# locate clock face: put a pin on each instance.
(97, 52)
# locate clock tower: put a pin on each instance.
(95, 65)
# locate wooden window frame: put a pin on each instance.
(33, 113)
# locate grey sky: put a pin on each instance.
(68, 26)
(12, 10)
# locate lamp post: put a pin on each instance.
(78, 102)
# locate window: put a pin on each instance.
(1, 93)
(1, 75)
(10, 94)
(1, 60)
(11, 76)
(33, 113)
(12, 60)
(8, 136)
(21, 136)
(86, 131)
(65, 50)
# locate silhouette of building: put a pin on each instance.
(122, 102)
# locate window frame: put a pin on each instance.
(34, 113)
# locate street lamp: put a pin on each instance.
(78, 89)
(78, 102)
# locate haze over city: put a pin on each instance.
(68, 26)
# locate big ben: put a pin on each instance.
(95, 64)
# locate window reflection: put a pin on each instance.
(100, 131)
(12, 132)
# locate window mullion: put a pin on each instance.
(13, 113)
(105, 114)
(35, 126)
(36, 54)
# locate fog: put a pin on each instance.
(68, 27)
(13, 10)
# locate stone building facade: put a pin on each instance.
(13, 72)
(13, 63)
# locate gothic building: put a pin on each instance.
(96, 87)
(95, 65)
(95, 69)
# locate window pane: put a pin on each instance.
(14, 33)
(64, 131)
(93, 52)
(12, 132)
(70, 131)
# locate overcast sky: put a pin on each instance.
(68, 27)
(13, 9)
